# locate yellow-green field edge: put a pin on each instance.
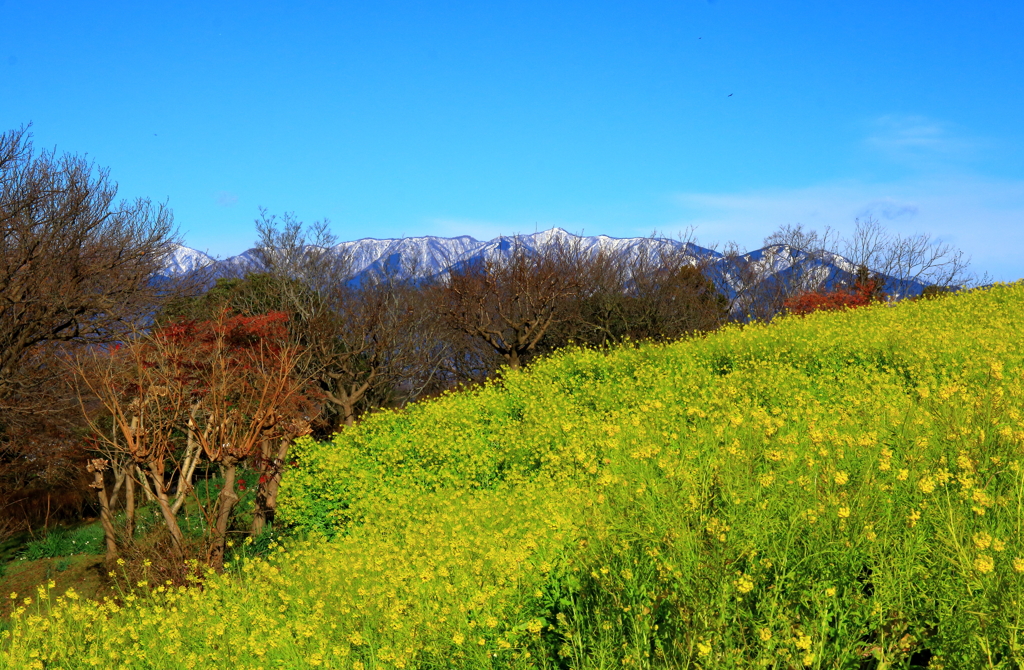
(838, 491)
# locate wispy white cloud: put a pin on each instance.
(919, 141)
(226, 199)
(984, 217)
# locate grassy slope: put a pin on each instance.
(834, 491)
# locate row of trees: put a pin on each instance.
(136, 388)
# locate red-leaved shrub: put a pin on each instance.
(864, 292)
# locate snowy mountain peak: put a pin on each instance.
(427, 256)
(182, 260)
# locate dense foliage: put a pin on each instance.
(864, 291)
(842, 490)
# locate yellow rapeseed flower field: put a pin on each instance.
(835, 491)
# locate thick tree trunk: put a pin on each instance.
(225, 505)
(96, 467)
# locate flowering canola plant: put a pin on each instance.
(825, 492)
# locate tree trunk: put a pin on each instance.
(129, 505)
(270, 483)
(225, 505)
(145, 484)
(188, 469)
(347, 397)
(96, 467)
(119, 474)
(170, 519)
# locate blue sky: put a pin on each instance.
(444, 118)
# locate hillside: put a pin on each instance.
(841, 490)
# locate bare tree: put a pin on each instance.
(656, 290)
(74, 266)
(388, 348)
(792, 261)
(143, 386)
(907, 261)
(511, 301)
(462, 360)
(307, 268)
(796, 261)
(77, 268)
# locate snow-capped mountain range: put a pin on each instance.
(431, 255)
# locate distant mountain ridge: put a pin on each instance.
(431, 255)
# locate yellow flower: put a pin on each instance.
(984, 564)
(844, 512)
(913, 518)
(803, 641)
(927, 484)
(903, 474)
(765, 634)
(458, 638)
(830, 592)
(982, 498)
(842, 477)
(982, 541)
(1018, 565)
(744, 584)
(703, 648)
